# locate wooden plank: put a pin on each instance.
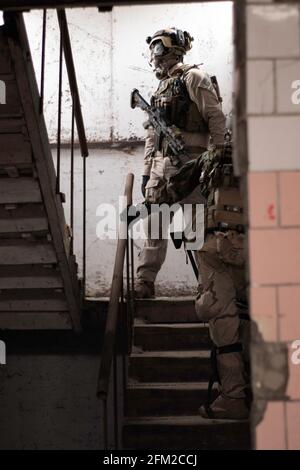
(12, 171)
(14, 150)
(12, 125)
(29, 277)
(35, 321)
(19, 190)
(26, 252)
(5, 60)
(33, 300)
(24, 218)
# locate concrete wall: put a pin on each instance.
(111, 58)
(48, 401)
(106, 173)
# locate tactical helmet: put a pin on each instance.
(170, 39)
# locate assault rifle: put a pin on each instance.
(171, 135)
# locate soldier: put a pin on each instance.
(222, 293)
(188, 99)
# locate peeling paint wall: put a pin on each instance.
(111, 58)
(106, 173)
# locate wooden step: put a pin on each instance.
(155, 399)
(26, 252)
(170, 366)
(185, 432)
(9, 125)
(32, 300)
(14, 150)
(35, 321)
(166, 310)
(5, 59)
(175, 336)
(29, 277)
(19, 190)
(23, 219)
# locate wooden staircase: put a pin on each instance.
(38, 273)
(169, 370)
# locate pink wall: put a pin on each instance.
(273, 129)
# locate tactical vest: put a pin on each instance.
(224, 201)
(175, 105)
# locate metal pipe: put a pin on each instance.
(116, 402)
(43, 61)
(105, 423)
(62, 19)
(84, 228)
(72, 182)
(59, 115)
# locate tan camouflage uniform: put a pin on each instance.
(206, 119)
(222, 284)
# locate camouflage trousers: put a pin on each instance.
(154, 251)
(222, 282)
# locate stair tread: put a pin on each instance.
(168, 386)
(140, 323)
(172, 354)
(178, 421)
(187, 298)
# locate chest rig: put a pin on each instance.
(175, 106)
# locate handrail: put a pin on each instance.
(62, 19)
(113, 308)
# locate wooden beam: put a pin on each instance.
(105, 5)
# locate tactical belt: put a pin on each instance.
(225, 228)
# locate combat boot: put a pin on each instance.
(144, 289)
(225, 408)
(231, 403)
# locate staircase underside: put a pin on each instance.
(38, 273)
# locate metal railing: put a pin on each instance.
(112, 379)
(65, 52)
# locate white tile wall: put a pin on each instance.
(260, 87)
(273, 31)
(274, 143)
(287, 72)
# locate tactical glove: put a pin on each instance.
(145, 179)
